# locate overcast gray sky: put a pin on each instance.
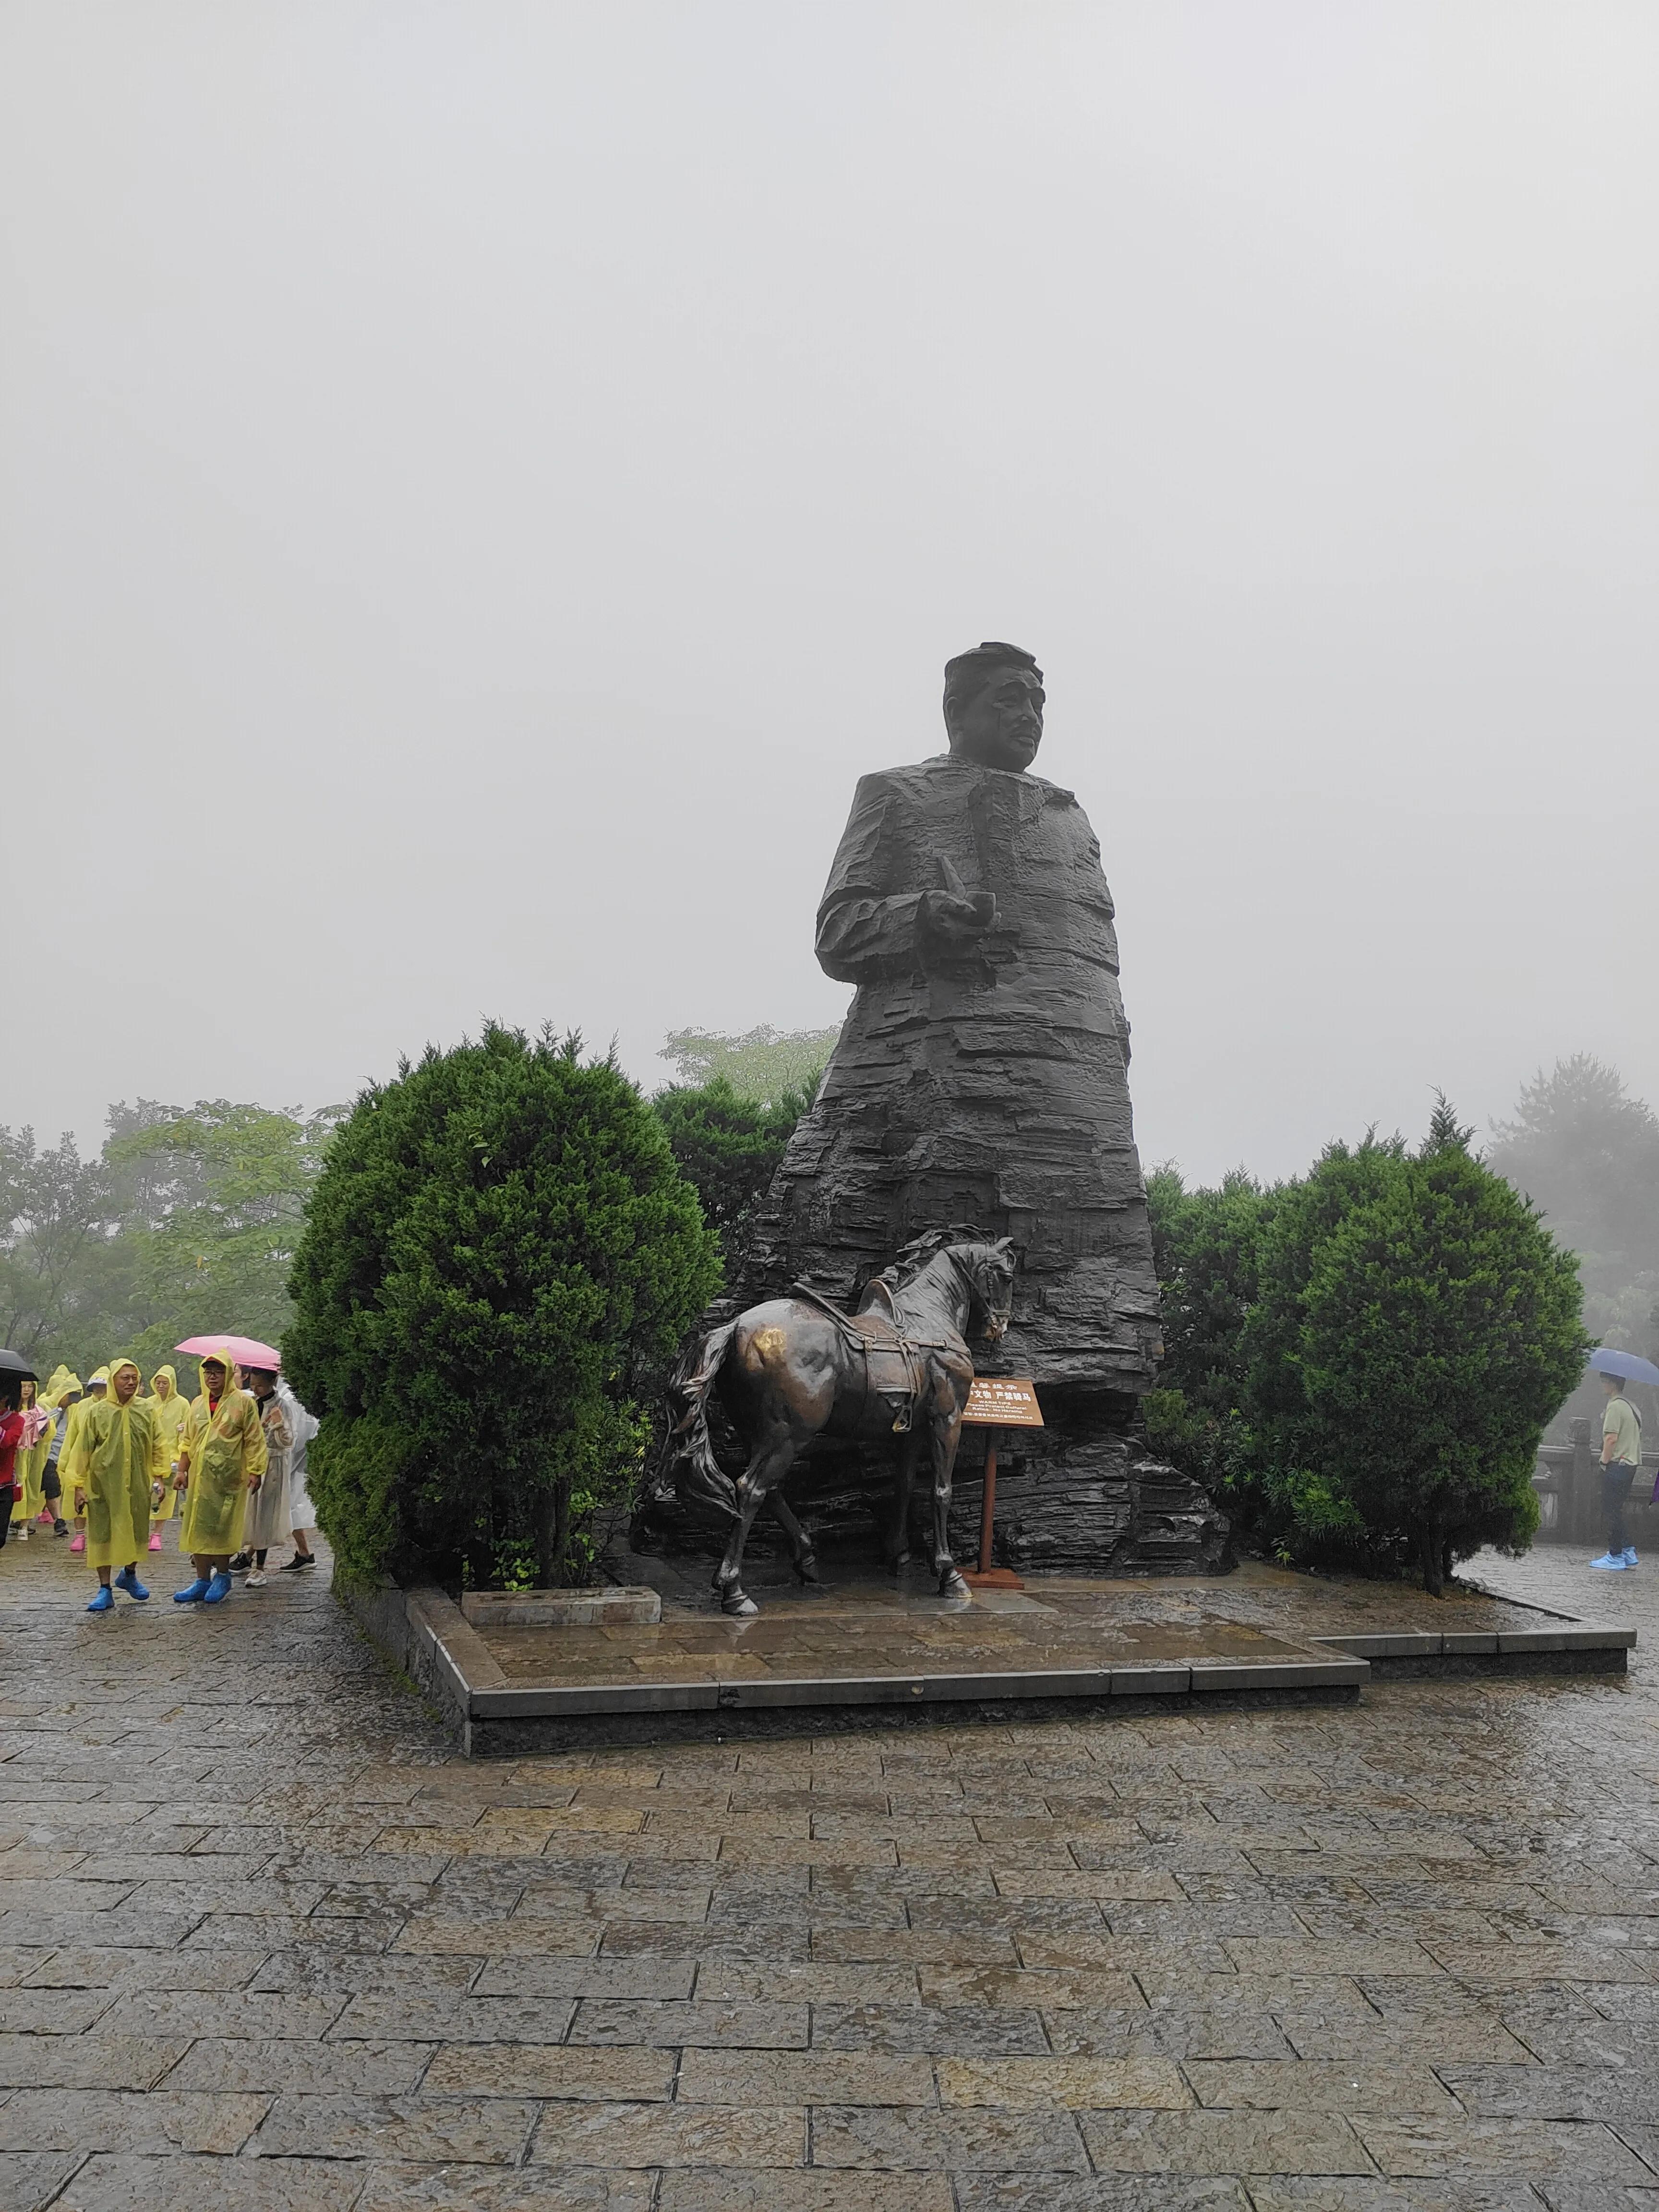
(481, 480)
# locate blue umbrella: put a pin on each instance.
(1625, 1364)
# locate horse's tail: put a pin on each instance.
(703, 1475)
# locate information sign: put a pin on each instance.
(1002, 1401)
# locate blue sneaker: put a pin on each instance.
(217, 1591)
(128, 1580)
(1631, 1559)
(105, 1600)
(1610, 1565)
(193, 1592)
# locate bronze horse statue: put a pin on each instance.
(797, 1368)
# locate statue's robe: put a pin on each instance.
(983, 1083)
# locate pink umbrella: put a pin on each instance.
(245, 1350)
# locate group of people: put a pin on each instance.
(120, 1461)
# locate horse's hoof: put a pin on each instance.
(951, 1584)
(898, 1562)
(740, 1607)
(807, 1566)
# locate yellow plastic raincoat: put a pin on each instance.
(117, 1454)
(77, 1414)
(222, 1450)
(171, 1410)
(63, 1386)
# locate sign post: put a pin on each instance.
(997, 1402)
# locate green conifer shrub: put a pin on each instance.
(499, 1248)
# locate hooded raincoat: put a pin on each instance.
(171, 1410)
(62, 1387)
(117, 1454)
(77, 1414)
(222, 1450)
(302, 1427)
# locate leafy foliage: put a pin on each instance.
(1440, 1330)
(765, 1066)
(728, 1148)
(186, 1223)
(1362, 1361)
(1206, 1245)
(498, 1247)
(1588, 1154)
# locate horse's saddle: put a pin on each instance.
(893, 1366)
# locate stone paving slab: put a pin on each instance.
(816, 1656)
(266, 1941)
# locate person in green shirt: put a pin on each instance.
(1621, 1455)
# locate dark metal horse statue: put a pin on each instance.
(797, 1368)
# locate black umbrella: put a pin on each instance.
(12, 1363)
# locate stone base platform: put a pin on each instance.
(866, 1654)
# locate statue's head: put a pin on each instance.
(994, 706)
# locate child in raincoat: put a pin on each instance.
(222, 1457)
(171, 1410)
(97, 1384)
(117, 1454)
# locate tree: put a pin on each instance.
(186, 1223)
(1206, 1245)
(56, 1216)
(1435, 1332)
(211, 1200)
(498, 1247)
(728, 1148)
(764, 1065)
(1587, 1154)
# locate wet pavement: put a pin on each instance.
(265, 1940)
(852, 1629)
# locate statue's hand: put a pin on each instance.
(959, 920)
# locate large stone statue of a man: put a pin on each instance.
(981, 1078)
(982, 1073)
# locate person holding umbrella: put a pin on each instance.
(1621, 1449)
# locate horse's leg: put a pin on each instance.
(904, 1471)
(770, 1463)
(945, 1430)
(800, 1544)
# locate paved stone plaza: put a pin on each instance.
(268, 1941)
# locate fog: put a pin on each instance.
(481, 481)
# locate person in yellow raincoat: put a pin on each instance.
(117, 1454)
(171, 1410)
(222, 1457)
(97, 1384)
(63, 1394)
(31, 1463)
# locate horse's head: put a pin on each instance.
(990, 1270)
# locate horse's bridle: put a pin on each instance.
(996, 1324)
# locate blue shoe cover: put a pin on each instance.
(1631, 1559)
(105, 1600)
(193, 1592)
(217, 1591)
(1609, 1564)
(128, 1580)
